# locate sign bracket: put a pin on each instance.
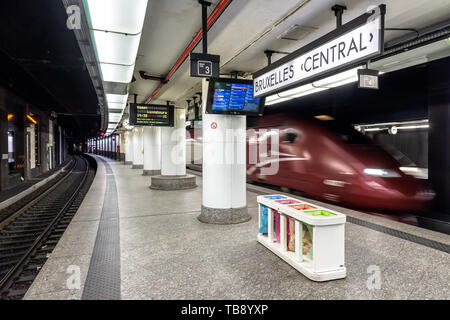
(338, 11)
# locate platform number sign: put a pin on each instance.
(204, 68)
(204, 65)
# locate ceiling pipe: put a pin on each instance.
(218, 10)
(154, 78)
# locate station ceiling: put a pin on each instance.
(40, 60)
(246, 29)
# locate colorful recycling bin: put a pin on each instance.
(320, 213)
(307, 236)
(263, 224)
(287, 201)
(301, 206)
(276, 225)
(274, 197)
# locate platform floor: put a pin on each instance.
(150, 245)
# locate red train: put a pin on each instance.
(332, 162)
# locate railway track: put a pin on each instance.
(29, 235)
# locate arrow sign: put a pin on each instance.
(353, 43)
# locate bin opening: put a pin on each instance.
(301, 206)
(320, 213)
(274, 197)
(288, 201)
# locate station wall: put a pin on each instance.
(29, 140)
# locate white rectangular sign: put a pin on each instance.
(352, 46)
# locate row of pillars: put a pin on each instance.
(160, 152)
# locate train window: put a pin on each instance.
(290, 136)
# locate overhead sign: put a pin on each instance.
(151, 115)
(204, 65)
(367, 79)
(356, 41)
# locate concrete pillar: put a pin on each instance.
(173, 147)
(173, 157)
(128, 148)
(224, 198)
(138, 156)
(121, 144)
(439, 132)
(152, 151)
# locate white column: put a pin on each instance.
(128, 147)
(173, 146)
(138, 156)
(224, 198)
(120, 143)
(152, 151)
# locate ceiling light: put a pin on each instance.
(339, 79)
(116, 73)
(413, 127)
(117, 15)
(324, 117)
(115, 47)
(116, 98)
(333, 81)
(116, 105)
(114, 117)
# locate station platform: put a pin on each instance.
(128, 241)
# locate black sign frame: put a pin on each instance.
(133, 114)
(210, 98)
(199, 59)
(349, 26)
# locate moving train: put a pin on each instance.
(328, 161)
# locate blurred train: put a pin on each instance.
(329, 161)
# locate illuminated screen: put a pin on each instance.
(151, 115)
(234, 97)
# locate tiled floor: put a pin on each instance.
(166, 253)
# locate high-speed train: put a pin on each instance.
(328, 161)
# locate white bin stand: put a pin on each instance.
(328, 236)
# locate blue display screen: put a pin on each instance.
(234, 97)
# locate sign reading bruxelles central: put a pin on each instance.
(350, 44)
(151, 115)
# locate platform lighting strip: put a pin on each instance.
(31, 119)
(116, 28)
(333, 81)
(423, 124)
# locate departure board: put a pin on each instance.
(151, 115)
(232, 96)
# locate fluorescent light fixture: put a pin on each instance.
(114, 117)
(116, 106)
(116, 73)
(111, 126)
(339, 79)
(274, 101)
(115, 47)
(334, 81)
(413, 127)
(116, 98)
(123, 16)
(374, 129)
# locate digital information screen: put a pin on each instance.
(151, 115)
(233, 97)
